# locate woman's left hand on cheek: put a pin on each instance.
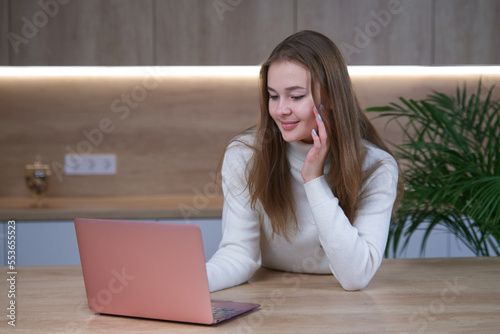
(315, 159)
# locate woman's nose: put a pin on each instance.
(283, 109)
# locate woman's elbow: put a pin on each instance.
(354, 284)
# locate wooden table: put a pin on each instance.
(455, 295)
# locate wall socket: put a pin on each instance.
(90, 164)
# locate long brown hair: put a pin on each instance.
(269, 175)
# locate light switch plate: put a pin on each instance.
(90, 164)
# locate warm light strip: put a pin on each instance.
(127, 71)
(423, 70)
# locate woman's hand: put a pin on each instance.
(315, 159)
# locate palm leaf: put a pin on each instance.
(450, 155)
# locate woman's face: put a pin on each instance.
(291, 101)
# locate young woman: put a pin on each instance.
(312, 187)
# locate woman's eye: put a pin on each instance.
(273, 97)
(297, 97)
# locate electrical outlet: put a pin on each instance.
(90, 164)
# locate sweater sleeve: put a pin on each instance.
(355, 251)
(238, 256)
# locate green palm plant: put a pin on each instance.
(450, 156)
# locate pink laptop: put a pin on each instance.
(149, 270)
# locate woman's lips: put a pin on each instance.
(289, 125)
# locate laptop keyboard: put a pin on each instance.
(220, 312)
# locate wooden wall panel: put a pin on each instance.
(193, 32)
(92, 32)
(167, 132)
(4, 28)
(373, 32)
(467, 32)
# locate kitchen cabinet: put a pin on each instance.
(64, 33)
(43, 243)
(4, 26)
(238, 32)
(54, 242)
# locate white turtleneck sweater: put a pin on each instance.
(325, 241)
